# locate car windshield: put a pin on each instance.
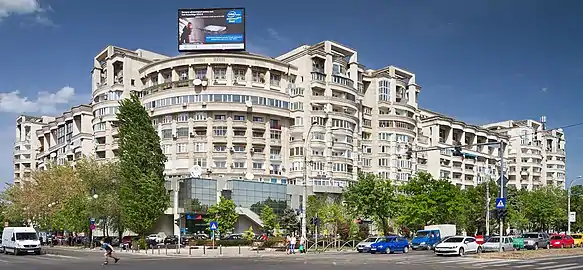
(371, 239)
(494, 240)
(576, 236)
(26, 236)
(530, 235)
(454, 240)
(422, 233)
(556, 237)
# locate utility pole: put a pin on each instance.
(501, 153)
(305, 189)
(488, 206)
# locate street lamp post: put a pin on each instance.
(305, 189)
(569, 203)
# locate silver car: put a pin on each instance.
(493, 244)
(364, 246)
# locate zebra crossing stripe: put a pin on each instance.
(561, 266)
(3, 261)
(572, 267)
(523, 266)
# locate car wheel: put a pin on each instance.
(360, 251)
(461, 252)
(406, 250)
(536, 247)
(503, 249)
(479, 251)
(16, 252)
(388, 250)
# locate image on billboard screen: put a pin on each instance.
(211, 29)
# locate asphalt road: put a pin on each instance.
(420, 260)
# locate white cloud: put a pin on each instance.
(544, 89)
(45, 102)
(19, 7)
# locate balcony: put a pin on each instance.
(317, 76)
(343, 81)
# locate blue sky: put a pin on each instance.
(480, 61)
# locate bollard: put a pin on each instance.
(239, 249)
(220, 249)
(204, 249)
(166, 248)
(189, 250)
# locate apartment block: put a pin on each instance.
(477, 164)
(66, 138)
(536, 156)
(25, 145)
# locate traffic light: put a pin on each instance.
(457, 148)
(409, 152)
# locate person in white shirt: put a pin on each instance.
(292, 244)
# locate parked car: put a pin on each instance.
(171, 240)
(440, 241)
(390, 244)
(493, 244)
(458, 245)
(156, 238)
(561, 241)
(534, 240)
(364, 246)
(578, 239)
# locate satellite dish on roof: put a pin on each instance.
(196, 171)
(249, 176)
(197, 82)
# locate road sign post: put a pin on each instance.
(214, 226)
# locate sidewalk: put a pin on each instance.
(197, 252)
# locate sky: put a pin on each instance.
(478, 61)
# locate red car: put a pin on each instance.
(561, 241)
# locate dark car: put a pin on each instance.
(171, 240)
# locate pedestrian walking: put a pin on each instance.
(292, 244)
(108, 253)
(302, 244)
(287, 244)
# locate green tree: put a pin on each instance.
(249, 234)
(225, 214)
(275, 205)
(143, 196)
(289, 221)
(196, 206)
(373, 197)
(268, 218)
(475, 208)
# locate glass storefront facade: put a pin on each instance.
(254, 195)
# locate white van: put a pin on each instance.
(20, 240)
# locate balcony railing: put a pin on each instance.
(317, 76)
(343, 81)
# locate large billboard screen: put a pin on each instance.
(211, 29)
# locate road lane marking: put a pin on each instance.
(560, 266)
(5, 261)
(573, 267)
(523, 266)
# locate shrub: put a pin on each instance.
(139, 244)
(274, 241)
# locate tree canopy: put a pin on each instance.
(143, 196)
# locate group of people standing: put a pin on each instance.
(291, 241)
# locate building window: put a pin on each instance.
(166, 133)
(298, 121)
(183, 74)
(258, 119)
(384, 90)
(275, 134)
(166, 149)
(239, 74)
(167, 119)
(220, 148)
(274, 79)
(239, 165)
(258, 76)
(238, 148)
(181, 148)
(220, 73)
(200, 147)
(183, 117)
(220, 117)
(258, 165)
(239, 118)
(239, 132)
(220, 131)
(182, 132)
(200, 116)
(200, 73)
(220, 164)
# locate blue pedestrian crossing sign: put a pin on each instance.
(500, 203)
(214, 226)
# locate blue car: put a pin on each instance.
(390, 244)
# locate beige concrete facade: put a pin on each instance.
(66, 138)
(536, 156)
(26, 145)
(246, 116)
